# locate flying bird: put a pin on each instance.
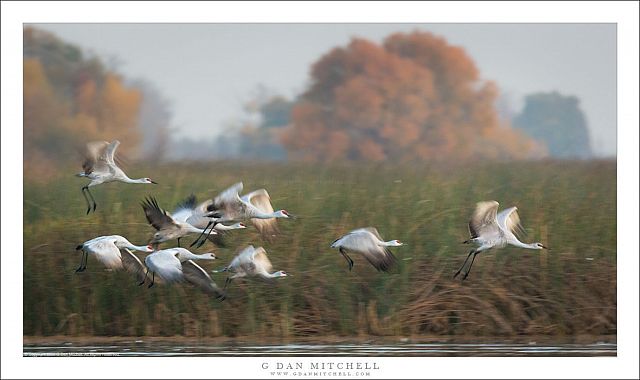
(251, 262)
(176, 265)
(114, 252)
(176, 225)
(490, 229)
(255, 206)
(99, 166)
(368, 243)
(197, 215)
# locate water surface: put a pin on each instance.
(142, 348)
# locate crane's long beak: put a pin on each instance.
(154, 182)
(545, 247)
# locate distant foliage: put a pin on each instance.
(414, 97)
(68, 100)
(558, 121)
(261, 140)
(154, 122)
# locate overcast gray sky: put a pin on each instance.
(208, 71)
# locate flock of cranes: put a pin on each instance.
(230, 211)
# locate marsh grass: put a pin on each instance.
(570, 290)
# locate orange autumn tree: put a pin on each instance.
(414, 97)
(68, 100)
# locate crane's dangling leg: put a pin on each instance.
(92, 200)
(201, 234)
(463, 264)
(179, 242)
(209, 234)
(153, 280)
(349, 260)
(83, 264)
(226, 283)
(86, 199)
(472, 260)
(145, 277)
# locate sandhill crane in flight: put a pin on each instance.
(255, 206)
(251, 262)
(176, 265)
(368, 243)
(197, 215)
(99, 166)
(178, 225)
(490, 229)
(114, 253)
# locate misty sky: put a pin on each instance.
(208, 71)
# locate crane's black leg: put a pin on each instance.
(153, 279)
(93, 200)
(226, 283)
(145, 277)
(472, 260)
(89, 206)
(86, 199)
(83, 264)
(463, 264)
(201, 234)
(209, 234)
(349, 260)
(179, 241)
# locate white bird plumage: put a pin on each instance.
(251, 262)
(186, 219)
(368, 243)
(100, 167)
(254, 206)
(176, 265)
(490, 229)
(196, 214)
(114, 252)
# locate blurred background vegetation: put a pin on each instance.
(402, 135)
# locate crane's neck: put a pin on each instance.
(194, 229)
(121, 242)
(222, 227)
(520, 244)
(272, 275)
(264, 215)
(138, 247)
(184, 256)
(129, 180)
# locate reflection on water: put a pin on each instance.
(141, 348)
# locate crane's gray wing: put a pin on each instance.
(195, 275)
(261, 260)
(93, 151)
(382, 259)
(228, 203)
(243, 262)
(132, 264)
(202, 208)
(364, 242)
(184, 210)
(188, 203)
(109, 152)
(156, 216)
(373, 231)
(189, 212)
(268, 228)
(483, 220)
(509, 220)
